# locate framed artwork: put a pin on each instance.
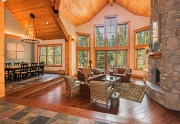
(11, 46)
(20, 55)
(156, 29)
(11, 54)
(20, 47)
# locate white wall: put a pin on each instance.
(123, 15)
(11, 26)
(71, 29)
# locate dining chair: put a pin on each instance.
(17, 63)
(22, 73)
(41, 68)
(8, 72)
(34, 69)
(8, 64)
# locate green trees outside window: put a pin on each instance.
(100, 36)
(114, 59)
(83, 55)
(143, 37)
(100, 59)
(122, 34)
(141, 61)
(83, 41)
(82, 58)
(51, 55)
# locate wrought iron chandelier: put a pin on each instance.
(27, 38)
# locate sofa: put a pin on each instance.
(124, 73)
(95, 75)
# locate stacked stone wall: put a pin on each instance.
(169, 63)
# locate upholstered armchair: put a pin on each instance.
(100, 90)
(124, 73)
(72, 86)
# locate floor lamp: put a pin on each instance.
(86, 71)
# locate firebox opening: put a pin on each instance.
(157, 76)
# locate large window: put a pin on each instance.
(83, 49)
(112, 58)
(51, 55)
(141, 42)
(112, 43)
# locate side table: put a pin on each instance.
(115, 100)
(85, 91)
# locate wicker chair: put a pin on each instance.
(72, 86)
(100, 90)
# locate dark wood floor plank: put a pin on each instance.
(55, 99)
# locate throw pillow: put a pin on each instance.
(96, 72)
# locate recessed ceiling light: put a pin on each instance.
(47, 22)
(3, 0)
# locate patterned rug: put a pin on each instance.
(131, 91)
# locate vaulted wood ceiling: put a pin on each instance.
(42, 9)
(75, 11)
(81, 11)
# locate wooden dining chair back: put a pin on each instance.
(8, 64)
(34, 69)
(22, 73)
(41, 68)
(17, 64)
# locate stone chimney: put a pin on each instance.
(168, 94)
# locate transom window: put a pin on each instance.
(51, 55)
(110, 31)
(122, 34)
(141, 42)
(100, 36)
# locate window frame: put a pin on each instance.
(49, 45)
(112, 48)
(138, 47)
(88, 49)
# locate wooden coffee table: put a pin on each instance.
(112, 79)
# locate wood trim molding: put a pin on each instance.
(2, 83)
(12, 36)
(57, 4)
(156, 55)
(136, 75)
(112, 48)
(111, 2)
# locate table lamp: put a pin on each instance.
(86, 71)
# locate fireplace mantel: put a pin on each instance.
(156, 55)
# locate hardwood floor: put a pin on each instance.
(55, 99)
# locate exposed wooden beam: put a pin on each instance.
(57, 4)
(111, 2)
(12, 36)
(57, 20)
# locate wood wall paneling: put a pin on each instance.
(2, 82)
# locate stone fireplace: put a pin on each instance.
(167, 61)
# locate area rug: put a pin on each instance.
(131, 91)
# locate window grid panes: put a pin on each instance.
(51, 55)
(110, 31)
(100, 36)
(100, 59)
(122, 34)
(143, 37)
(83, 41)
(82, 58)
(141, 58)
